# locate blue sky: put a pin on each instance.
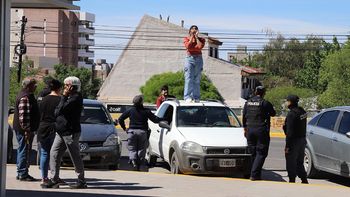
(292, 16)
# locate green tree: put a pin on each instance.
(89, 86)
(277, 96)
(15, 87)
(175, 81)
(335, 78)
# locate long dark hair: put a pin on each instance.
(189, 30)
(55, 85)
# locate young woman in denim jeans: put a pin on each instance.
(193, 64)
(46, 131)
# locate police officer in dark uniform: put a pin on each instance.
(257, 113)
(295, 130)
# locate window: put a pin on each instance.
(314, 120)
(211, 51)
(199, 116)
(328, 120)
(345, 123)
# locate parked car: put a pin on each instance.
(99, 141)
(328, 142)
(199, 138)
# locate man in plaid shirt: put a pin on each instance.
(25, 123)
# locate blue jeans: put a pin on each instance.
(45, 155)
(23, 150)
(193, 72)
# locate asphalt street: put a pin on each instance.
(274, 168)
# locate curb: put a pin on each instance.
(277, 135)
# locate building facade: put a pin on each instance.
(54, 36)
(241, 54)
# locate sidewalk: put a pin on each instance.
(124, 183)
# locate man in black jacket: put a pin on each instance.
(68, 130)
(295, 130)
(25, 123)
(257, 113)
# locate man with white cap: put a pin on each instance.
(68, 130)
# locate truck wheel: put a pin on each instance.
(174, 164)
(311, 171)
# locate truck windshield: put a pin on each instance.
(206, 116)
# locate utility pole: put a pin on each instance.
(21, 49)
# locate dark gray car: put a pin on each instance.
(99, 141)
(328, 142)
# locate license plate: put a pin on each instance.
(85, 157)
(226, 163)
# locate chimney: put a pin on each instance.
(182, 23)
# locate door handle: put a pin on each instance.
(158, 130)
(311, 132)
(335, 139)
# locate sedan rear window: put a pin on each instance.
(345, 123)
(328, 120)
(94, 115)
(203, 116)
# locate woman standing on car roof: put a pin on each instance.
(46, 131)
(193, 64)
(137, 131)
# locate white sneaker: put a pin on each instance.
(189, 100)
(197, 101)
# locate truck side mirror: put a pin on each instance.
(165, 125)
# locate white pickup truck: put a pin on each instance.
(199, 138)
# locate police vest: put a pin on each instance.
(255, 113)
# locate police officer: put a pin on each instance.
(295, 130)
(257, 113)
(137, 132)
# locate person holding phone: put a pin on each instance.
(68, 131)
(193, 64)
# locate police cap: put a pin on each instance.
(293, 98)
(260, 90)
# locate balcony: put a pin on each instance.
(86, 30)
(87, 42)
(85, 16)
(85, 53)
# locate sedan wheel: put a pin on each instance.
(311, 171)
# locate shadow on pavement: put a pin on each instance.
(270, 175)
(340, 180)
(16, 193)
